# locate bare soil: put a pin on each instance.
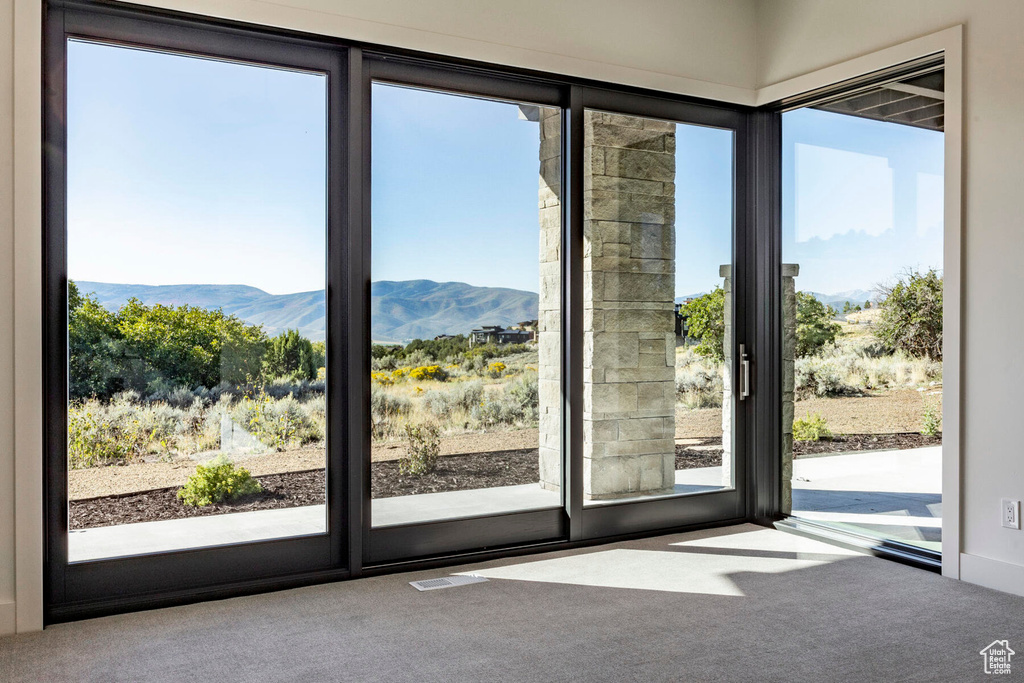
(115, 480)
(890, 412)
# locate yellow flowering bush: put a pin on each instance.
(398, 373)
(381, 378)
(496, 369)
(435, 372)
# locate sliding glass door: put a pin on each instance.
(193, 192)
(313, 309)
(862, 286)
(465, 323)
(665, 362)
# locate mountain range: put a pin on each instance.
(400, 310)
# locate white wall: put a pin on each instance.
(797, 36)
(699, 47)
(7, 613)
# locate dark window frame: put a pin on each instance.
(100, 586)
(117, 585)
(448, 536)
(729, 505)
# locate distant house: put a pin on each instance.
(496, 334)
(442, 337)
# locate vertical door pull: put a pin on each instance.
(744, 372)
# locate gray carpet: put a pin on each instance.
(736, 604)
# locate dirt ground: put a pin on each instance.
(884, 413)
(144, 476)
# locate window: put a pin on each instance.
(197, 363)
(465, 306)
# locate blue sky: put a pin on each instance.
(185, 171)
(861, 199)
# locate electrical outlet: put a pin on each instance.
(1011, 513)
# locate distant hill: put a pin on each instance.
(856, 297)
(686, 297)
(400, 310)
(422, 309)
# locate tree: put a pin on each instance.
(911, 318)
(289, 354)
(814, 326)
(185, 346)
(847, 307)
(145, 348)
(706, 320)
(95, 348)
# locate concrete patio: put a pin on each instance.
(894, 494)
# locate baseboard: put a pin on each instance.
(8, 618)
(1002, 576)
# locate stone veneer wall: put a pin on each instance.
(549, 345)
(629, 319)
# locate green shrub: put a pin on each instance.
(706, 323)
(94, 439)
(525, 391)
(215, 482)
(385, 411)
(463, 396)
(699, 381)
(811, 428)
(504, 410)
(911, 319)
(814, 326)
(931, 419)
(822, 377)
(423, 448)
(276, 423)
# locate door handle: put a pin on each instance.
(744, 372)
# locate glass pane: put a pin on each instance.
(196, 257)
(862, 360)
(465, 361)
(657, 405)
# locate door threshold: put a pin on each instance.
(904, 553)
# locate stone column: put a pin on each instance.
(789, 272)
(549, 345)
(629, 317)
